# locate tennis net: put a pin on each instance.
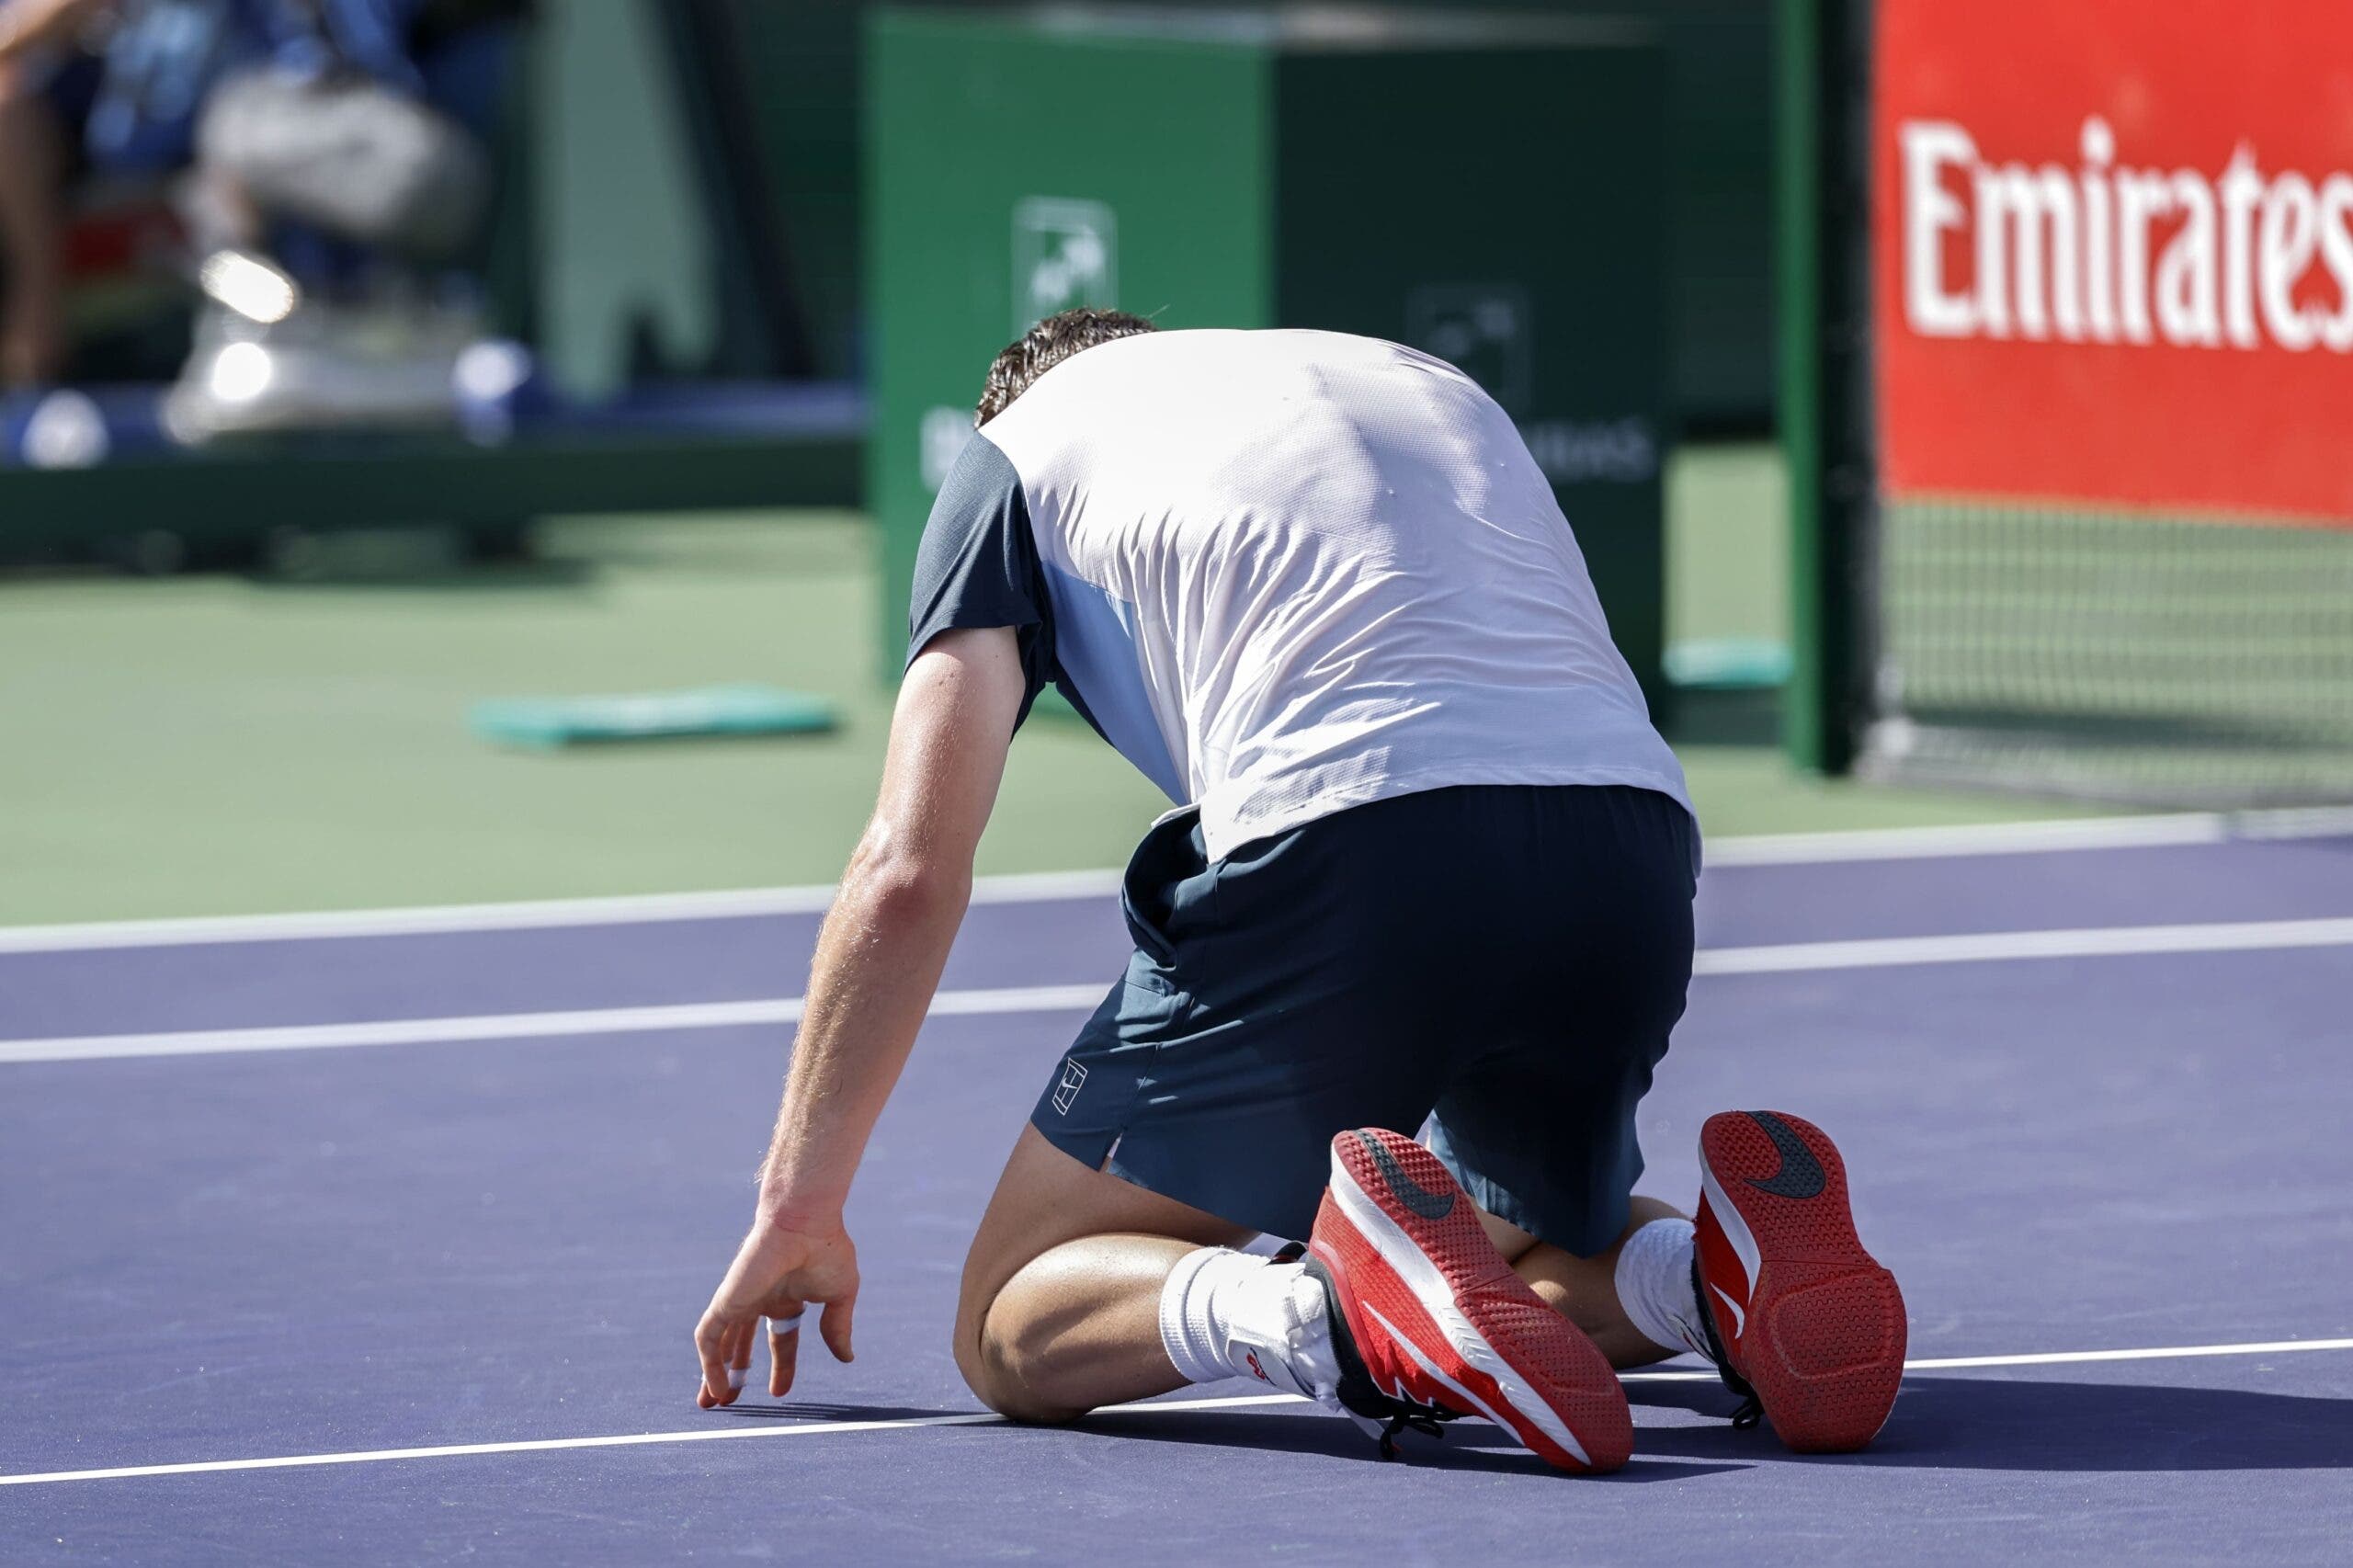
(2070, 306)
(2115, 657)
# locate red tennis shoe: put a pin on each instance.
(1429, 1322)
(1804, 1322)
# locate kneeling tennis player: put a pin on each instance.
(1434, 875)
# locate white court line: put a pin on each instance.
(516, 1025)
(2107, 941)
(1881, 952)
(2027, 837)
(1768, 849)
(634, 909)
(911, 1423)
(622, 1440)
(2062, 1357)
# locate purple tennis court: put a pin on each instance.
(375, 1241)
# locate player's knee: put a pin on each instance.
(1000, 1368)
(967, 1348)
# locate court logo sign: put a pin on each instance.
(1073, 1080)
(1485, 331)
(1065, 254)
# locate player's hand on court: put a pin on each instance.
(778, 1272)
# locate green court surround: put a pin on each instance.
(220, 744)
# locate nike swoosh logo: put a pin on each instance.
(1421, 1201)
(1739, 1318)
(1801, 1174)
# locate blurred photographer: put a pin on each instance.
(90, 90)
(343, 183)
(366, 120)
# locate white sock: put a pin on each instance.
(1228, 1315)
(1654, 1278)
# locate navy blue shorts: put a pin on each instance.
(1507, 959)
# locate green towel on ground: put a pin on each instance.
(741, 709)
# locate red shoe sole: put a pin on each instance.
(1822, 1336)
(1484, 1342)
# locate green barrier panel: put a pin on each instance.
(1490, 191)
(1719, 191)
(208, 501)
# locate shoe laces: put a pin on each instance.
(1751, 1409)
(1406, 1416)
(1378, 1412)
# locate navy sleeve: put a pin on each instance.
(978, 565)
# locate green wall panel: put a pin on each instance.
(1716, 189)
(1456, 226)
(1137, 181)
(1487, 191)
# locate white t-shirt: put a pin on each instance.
(1285, 574)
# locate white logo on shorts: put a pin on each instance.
(1074, 1080)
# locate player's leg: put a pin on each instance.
(1193, 1111)
(1107, 1266)
(1279, 1003)
(1540, 1127)
(1770, 1280)
(1602, 1293)
(1187, 1118)
(1771, 1283)
(1060, 1311)
(1083, 1290)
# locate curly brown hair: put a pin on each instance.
(1045, 346)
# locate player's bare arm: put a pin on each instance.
(878, 962)
(1367, 913)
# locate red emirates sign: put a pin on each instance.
(2112, 253)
